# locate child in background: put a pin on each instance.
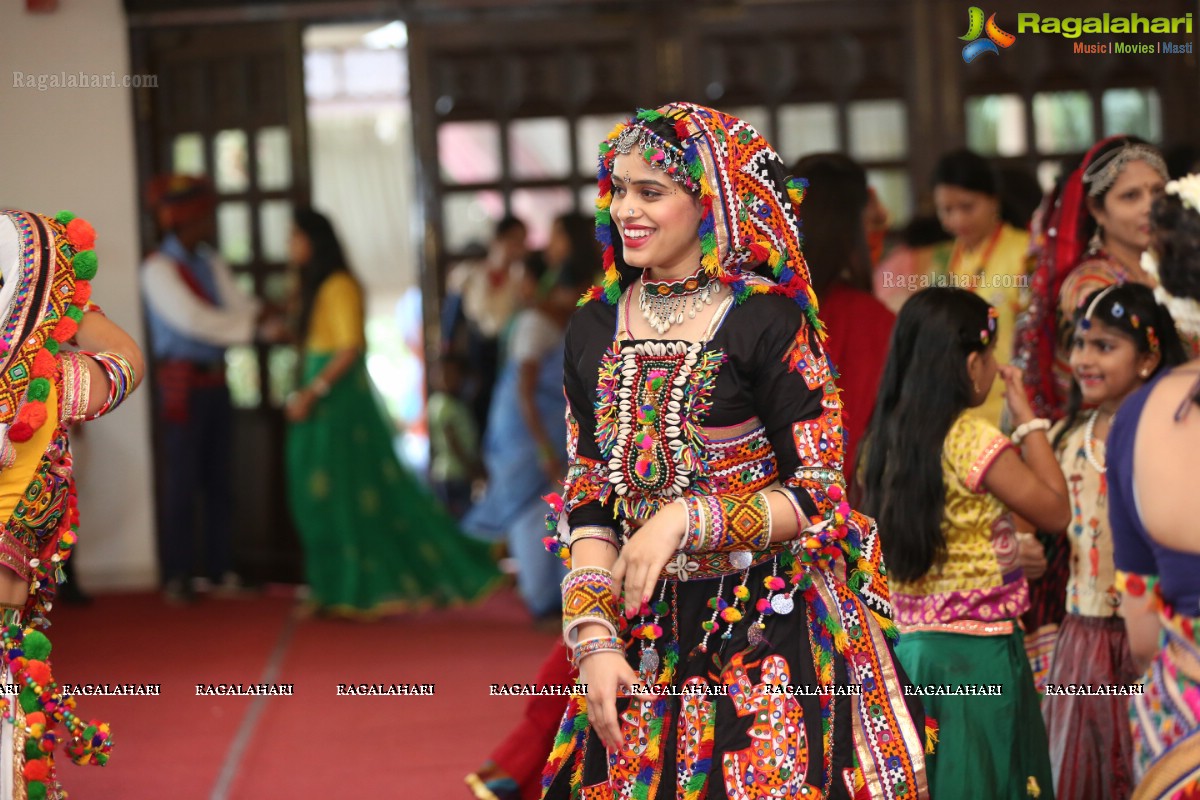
(1122, 339)
(453, 440)
(941, 482)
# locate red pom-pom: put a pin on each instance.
(81, 234)
(834, 493)
(36, 770)
(32, 414)
(758, 251)
(20, 431)
(83, 293)
(39, 671)
(43, 364)
(65, 330)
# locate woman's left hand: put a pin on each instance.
(645, 554)
(299, 406)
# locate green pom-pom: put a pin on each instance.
(39, 389)
(75, 313)
(28, 700)
(64, 217)
(32, 751)
(85, 265)
(37, 646)
(36, 790)
(52, 346)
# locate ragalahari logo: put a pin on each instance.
(996, 38)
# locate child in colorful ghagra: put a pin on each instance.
(1122, 338)
(1152, 462)
(722, 590)
(941, 482)
(63, 362)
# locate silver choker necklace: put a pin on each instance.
(666, 303)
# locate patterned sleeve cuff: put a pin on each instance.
(983, 462)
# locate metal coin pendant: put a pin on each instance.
(782, 604)
(649, 665)
(741, 559)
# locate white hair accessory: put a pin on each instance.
(1187, 189)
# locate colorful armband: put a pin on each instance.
(121, 380)
(727, 522)
(587, 595)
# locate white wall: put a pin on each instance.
(74, 149)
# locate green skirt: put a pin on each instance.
(375, 541)
(990, 747)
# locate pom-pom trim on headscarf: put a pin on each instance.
(749, 225)
(81, 238)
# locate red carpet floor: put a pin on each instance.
(313, 744)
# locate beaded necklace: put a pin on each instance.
(1088, 436)
(957, 255)
(663, 303)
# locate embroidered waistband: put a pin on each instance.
(700, 566)
(970, 627)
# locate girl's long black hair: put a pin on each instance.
(924, 388)
(327, 258)
(1136, 302)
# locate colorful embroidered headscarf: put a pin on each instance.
(46, 265)
(749, 223)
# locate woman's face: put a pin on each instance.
(657, 219)
(967, 215)
(1125, 211)
(299, 248)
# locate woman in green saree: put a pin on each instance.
(375, 541)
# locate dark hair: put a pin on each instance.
(1177, 242)
(968, 170)
(1182, 159)
(1020, 195)
(835, 237)
(922, 231)
(326, 259)
(1087, 223)
(508, 223)
(1136, 302)
(924, 388)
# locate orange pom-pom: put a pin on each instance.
(39, 671)
(81, 234)
(43, 364)
(83, 293)
(35, 718)
(36, 770)
(32, 414)
(65, 330)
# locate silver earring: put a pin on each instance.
(1097, 240)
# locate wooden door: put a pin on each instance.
(230, 105)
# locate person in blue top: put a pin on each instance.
(194, 311)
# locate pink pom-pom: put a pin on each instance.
(834, 493)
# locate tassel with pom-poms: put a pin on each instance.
(931, 735)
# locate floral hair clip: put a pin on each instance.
(1187, 189)
(1133, 319)
(985, 335)
(1118, 311)
(1152, 338)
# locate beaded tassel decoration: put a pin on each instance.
(665, 303)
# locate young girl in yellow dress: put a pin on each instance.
(942, 481)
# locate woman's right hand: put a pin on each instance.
(607, 677)
(1015, 396)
